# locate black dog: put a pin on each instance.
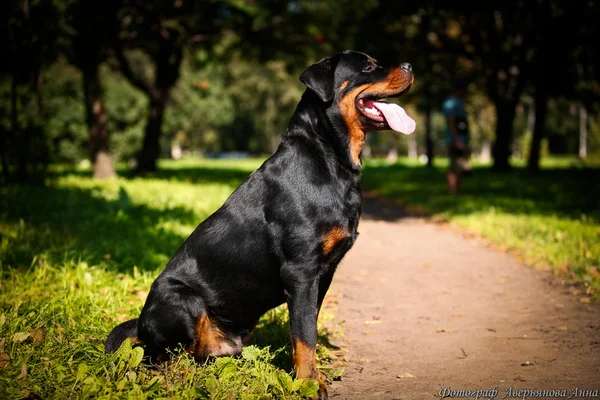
(280, 236)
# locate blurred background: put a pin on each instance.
(98, 83)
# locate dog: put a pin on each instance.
(281, 234)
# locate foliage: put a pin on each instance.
(126, 111)
(201, 108)
(78, 256)
(265, 96)
(64, 113)
(551, 218)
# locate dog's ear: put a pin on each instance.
(319, 78)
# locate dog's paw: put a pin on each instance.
(322, 393)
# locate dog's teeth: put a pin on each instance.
(373, 111)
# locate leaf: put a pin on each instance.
(286, 381)
(157, 380)
(90, 385)
(82, 371)
(4, 358)
(20, 337)
(124, 351)
(251, 353)
(337, 373)
(23, 374)
(309, 388)
(526, 364)
(296, 385)
(137, 354)
(406, 375)
(227, 371)
(121, 383)
(37, 335)
(2, 319)
(212, 385)
(131, 376)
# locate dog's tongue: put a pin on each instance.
(396, 117)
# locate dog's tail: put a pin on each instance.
(118, 335)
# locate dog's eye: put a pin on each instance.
(369, 68)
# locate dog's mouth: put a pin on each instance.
(383, 115)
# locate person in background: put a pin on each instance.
(457, 136)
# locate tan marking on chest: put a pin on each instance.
(333, 237)
(211, 341)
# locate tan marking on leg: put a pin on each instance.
(305, 362)
(333, 237)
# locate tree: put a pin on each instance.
(161, 30)
(95, 31)
(500, 38)
(29, 41)
(555, 55)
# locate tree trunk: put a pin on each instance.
(96, 117)
(412, 146)
(167, 60)
(13, 131)
(392, 157)
(541, 110)
(148, 157)
(583, 123)
(428, 135)
(505, 112)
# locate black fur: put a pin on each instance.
(119, 334)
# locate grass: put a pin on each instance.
(78, 256)
(551, 219)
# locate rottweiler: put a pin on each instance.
(281, 234)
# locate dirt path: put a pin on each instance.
(421, 299)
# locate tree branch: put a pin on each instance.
(134, 79)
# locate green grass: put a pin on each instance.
(78, 256)
(552, 219)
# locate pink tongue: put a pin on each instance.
(396, 117)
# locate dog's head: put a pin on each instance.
(350, 85)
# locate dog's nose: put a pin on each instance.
(406, 66)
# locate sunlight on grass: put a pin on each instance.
(552, 219)
(77, 257)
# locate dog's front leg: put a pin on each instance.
(302, 299)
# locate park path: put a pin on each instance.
(420, 299)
